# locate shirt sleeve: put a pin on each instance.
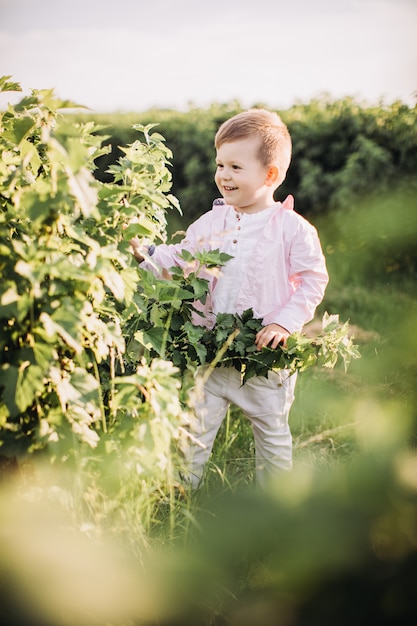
(166, 256)
(308, 278)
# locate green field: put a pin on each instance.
(96, 527)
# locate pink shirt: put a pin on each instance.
(284, 278)
(241, 235)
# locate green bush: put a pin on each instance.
(340, 149)
(343, 152)
(69, 287)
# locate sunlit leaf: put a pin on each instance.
(21, 127)
(21, 385)
(151, 338)
(63, 324)
(7, 85)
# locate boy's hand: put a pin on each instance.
(272, 335)
(137, 249)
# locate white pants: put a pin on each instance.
(266, 402)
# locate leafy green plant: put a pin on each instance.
(232, 343)
(165, 327)
(69, 284)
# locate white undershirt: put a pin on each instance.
(241, 233)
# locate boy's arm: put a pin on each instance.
(160, 258)
(309, 278)
(138, 250)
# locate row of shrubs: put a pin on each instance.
(341, 150)
(353, 164)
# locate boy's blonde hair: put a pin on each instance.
(275, 140)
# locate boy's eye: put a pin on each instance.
(220, 166)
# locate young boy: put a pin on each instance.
(277, 269)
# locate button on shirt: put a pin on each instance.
(242, 231)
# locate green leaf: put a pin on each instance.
(151, 338)
(20, 386)
(36, 208)
(19, 130)
(65, 324)
(171, 293)
(240, 347)
(138, 230)
(247, 316)
(7, 85)
(114, 281)
(9, 300)
(31, 155)
(200, 351)
(177, 321)
(9, 378)
(186, 255)
(86, 385)
(213, 258)
(194, 333)
(200, 287)
(157, 315)
(44, 355)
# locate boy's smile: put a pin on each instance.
(241, 178)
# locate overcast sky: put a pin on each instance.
(118, 55)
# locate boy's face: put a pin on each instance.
(243, 181)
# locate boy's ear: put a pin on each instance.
(272, 176)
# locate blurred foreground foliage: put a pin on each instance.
(94, 528)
